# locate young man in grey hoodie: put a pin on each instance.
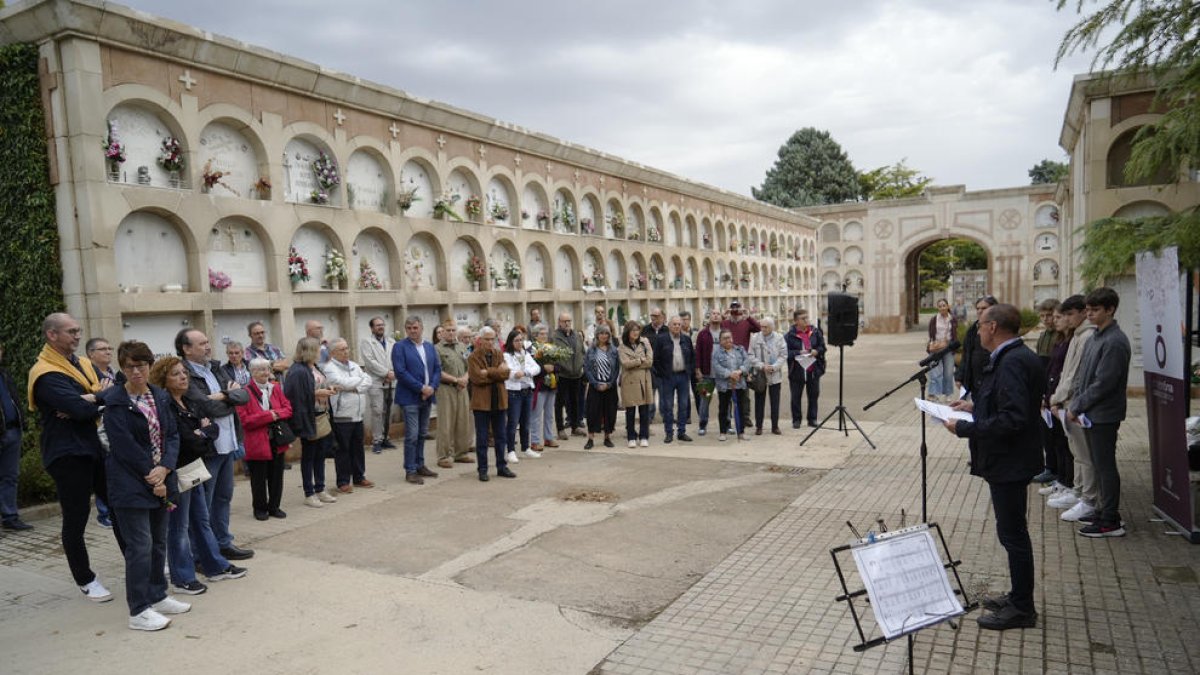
(1074, 312)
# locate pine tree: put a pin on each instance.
(811, 169)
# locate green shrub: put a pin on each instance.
(34, 486)
(1029, 319)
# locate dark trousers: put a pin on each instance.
(760, 400)
(76, 478)
(489, 421)
(145, 555)
(266, 482)
(602, 410)
(566, 404)
(1102, 445)
(1050, 452)
(642, 412)
(312, 464)
(808, 384)
(1064, 461)
(350, 461)
(725, 410)
(10, 467)
(1009, 503)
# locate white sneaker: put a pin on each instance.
(1063, 500)
(169, 605)
(645, 443)
(96, 592)
(313, 501)
(1050, 488)
(1080, 510)
(326, 498)
(511, 457)
(532, 453)
(149, 620)
(633, 444)
(721, 438)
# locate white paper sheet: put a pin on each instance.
(1048, 418)
(942, 412)
(805, 361)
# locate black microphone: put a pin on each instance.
(937, 356)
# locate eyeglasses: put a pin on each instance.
(71, 331)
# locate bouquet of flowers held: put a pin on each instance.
(705, 388)
(170, 157)
(218, 281)
(368, 279)
(550, 353)
(297, 266)
(335, 267)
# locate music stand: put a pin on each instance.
(840, 410)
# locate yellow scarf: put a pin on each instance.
(51, 361)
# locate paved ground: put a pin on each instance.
(705, 558)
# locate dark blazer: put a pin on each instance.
(974, 360)
(301, 391)
(74, 435)
(795, 347)
(410, 371)
(129, 456)
(663, 352)
(1006, 437)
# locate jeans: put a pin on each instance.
(643, 429)
(350, 461)
(941, 378)
(808, 384)
(520, 403)
(76, 477)
(675, 392)
(542, 426)
(1102, 442)
(312, 464)
(145, 555)
(219, 492)
(760, 400)
(703, 403)
(1009, 503)
(416, 425)
(485, 421)
(10, 466)
(190, 537)
(567, 405)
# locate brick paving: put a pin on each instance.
(1127, 605)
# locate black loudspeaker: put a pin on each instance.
(843, 319)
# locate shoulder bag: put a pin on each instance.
(192, 474)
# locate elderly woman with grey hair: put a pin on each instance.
(768, 353)
(347, 407)
(602, 368)
(264, 455)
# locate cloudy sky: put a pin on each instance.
(707, 89)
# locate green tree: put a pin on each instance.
(894, 181)
(1047, 171)
(943, 258)
(811, 169)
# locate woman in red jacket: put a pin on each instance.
(265, 462)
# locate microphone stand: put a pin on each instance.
(919, 376)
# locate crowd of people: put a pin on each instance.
(156, 441)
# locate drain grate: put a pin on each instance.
(787, 470)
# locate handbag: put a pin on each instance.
(324, 424)
(280, 434)
(192, 474)
(758, 380)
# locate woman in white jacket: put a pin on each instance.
(522, 368)
(768, 352)
(346, 408)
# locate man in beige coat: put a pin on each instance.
(375, 352)
(456, 428)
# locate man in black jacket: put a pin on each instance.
(12, 424)
(210, 383)
(1005, 443)
(674, 360)
(974, 354)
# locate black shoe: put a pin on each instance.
(287, 466)
(387, 443)
(776, 431)
(428, 437)
(377, 449)
(685, 438)
(758, 431)
(668, 439)
(589, 445)
(506, 473)
(234, 553)
(16, 524)
(278, 513)
(796, 425)
(1006, 618)
(483, 477)
(261, 515)
(813, 425)
(608, 443)
(231, 572)
(414, 479)
(190, 588)
(994, 603)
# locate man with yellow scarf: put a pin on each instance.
(62, 388)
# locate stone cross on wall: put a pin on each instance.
(441, 141)
(576, 174)
(187, 80)
(549, 168)
(517, 160)
(394, 130)
(482, 151)
(339, 116)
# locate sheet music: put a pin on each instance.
(805, 360)
(942, 412)
(906, 582)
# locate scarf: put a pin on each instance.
(51, 361)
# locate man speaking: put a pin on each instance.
(1005, 445)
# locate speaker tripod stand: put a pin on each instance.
(840, 410)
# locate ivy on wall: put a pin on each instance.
(30, 272)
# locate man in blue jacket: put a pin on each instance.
(674, 360)
(1005, 442)
(418, 373)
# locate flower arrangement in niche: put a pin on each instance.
(597, 279)
(707, 239)
(653, 235)
(543, 219)
(218, 281)
(474, 269)
(524, 215)
(325, 172)
(297, 266)
(406, 198)
(213, 178)
(170, 155)
(586, 226)
(473, 206)
(565, 217)
(617, 221)
(512, 269)
(733, 245)
(638, 281)
(677, 283)
(114, 149)
(443, 207)
(498, 280)
(499, 211)
(262, 188)
(335, 268)
(368, 278)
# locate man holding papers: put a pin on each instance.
(1006, 451)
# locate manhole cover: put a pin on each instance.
(588, 495)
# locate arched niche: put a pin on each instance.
(461, 252)
(830, 257)
(418, 184)
(637, 278)
(461, 187)
(854, 281)
(614, 220)
(634, 223)
(566, 271)
(536, 271)
(1141, 209)
(706, 234)
(566, 214)
(368, 182)
(673, 232)
(615, 268)
(675, 273)
(654, 224)
(500, 202)
(594, 272)
(690, 275)
(142, 131)
(830, 281)
(590, 222)
(687, 230)
(1046, 242)
(374, 248)
(1119, 154)
(150, 254)
(724, 276)
(226, 148)
(830, 233)
(300, 184)
(1046, 217)
(658, 272)
(313, 241)
(853, 231)
(854, 255)
(504, 266)
(235, 249)
(535, 207)
(707, 276)
(422, 264)
(1045, 270)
